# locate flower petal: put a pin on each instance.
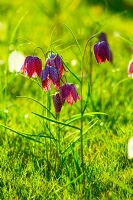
(45, 73)
(38, 65)
(46, 84)
(54, 76)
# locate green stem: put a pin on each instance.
(81, 125)
(91, 67)
(58, 147)
(48, 115)
(43, 112)
(41, 50)
(81, 106)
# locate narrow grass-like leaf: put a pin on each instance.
(73, 181)
(38, 103)
(77, 139)
(121, 185)
(88, 95)
(40, 135)
(72, 72)
(126, 39)
(75, 132)
(55, 121)
(17, 27)
(74, 38)
(121, 81)
(78, 116)
(90, 114)
(21, 134)
(76, 160)
(75, 119)
(46, 125)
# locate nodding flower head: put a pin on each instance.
(130, 69)
(57, 102)
(32, 66)
(50, 74)
(102, 52)
(68, 93)
(55, 60)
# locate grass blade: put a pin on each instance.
(21, 134)
(76, 140)
(72, 73)
(17, 27)
(55, 121)
(38, 103)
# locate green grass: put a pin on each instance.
(27, 168)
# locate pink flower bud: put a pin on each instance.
(57, 103)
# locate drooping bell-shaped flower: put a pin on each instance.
(32, 66)
(57, 102)
(55, 60)
(68, 93)
(130, 69)
(50, 75)
(102, 50)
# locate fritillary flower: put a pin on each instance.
(130, 69)
(50, 75)
(57, 102)
(68, 93)
(55, 60)
(32, 66)
(102, 50)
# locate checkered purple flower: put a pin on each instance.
(57, 102)
(50, 75)
(32, 66)
(68, 93)
(102, 50)
(55, 60)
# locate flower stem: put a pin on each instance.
(81, 105)
(48, 115)
(43, 100)
(58, 146)
(81, 125)
(91, 68)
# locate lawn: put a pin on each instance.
(80, 152)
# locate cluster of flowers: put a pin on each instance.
(54, 68)
(51, 74)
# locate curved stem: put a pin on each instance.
(41, 50)
(93, 36)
